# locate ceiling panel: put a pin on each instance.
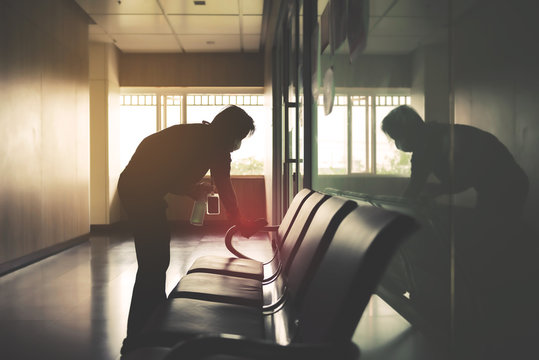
(321, 6)
(406, 24)
(95, 29)
(133, 24)
(210, 43)
(148, 43)
(205, 24)
(213, 7)
(100, 38)
(251, 24)
(252, 7)
(122, 7)
(251, 43)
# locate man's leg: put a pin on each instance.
(152, 245)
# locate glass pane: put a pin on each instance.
(389, 159)
(360, 151)
(332, 141)
(174, 110)
(249, 159)
(136, 122)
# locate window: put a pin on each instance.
(389, 160)
(332, 138)
(172, 110)
(351, 141)
(137, 120)
(249, 159)
(140, 118)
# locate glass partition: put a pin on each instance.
(420, 109)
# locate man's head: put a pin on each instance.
(233, 124)
(403, 124)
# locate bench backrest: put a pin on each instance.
(316, 241)
(347, 275)
(299, 227)
(291, 214)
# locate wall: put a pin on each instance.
(104, 133)
(430, 82)
(43, 126)
(215, 69)
(369, 71)
(496, 62)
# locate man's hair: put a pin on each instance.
(401, 119)
(233, 121)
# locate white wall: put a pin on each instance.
(104, 133)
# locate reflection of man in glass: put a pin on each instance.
(174, 160)
(476, 159)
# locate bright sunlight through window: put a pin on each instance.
(140, 117)
(351, 141)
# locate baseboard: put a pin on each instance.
(123, 226)
(15, 264)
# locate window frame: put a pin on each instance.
(370, 124)
(183, 92)
(160, 96)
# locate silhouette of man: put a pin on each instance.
(476, 160)
(174, 160)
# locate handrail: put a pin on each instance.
(233, 230)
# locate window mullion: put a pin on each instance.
(183, 116)
(373, 135)
(349, 133)
(367, 136)
(159, 123)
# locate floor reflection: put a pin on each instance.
(74, 305)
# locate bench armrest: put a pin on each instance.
(199, 348)
(233, 230)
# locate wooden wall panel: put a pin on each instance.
(43, 125)
(241, 69)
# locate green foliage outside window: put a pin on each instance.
(247, 166)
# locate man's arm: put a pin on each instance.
(418, 178)
(221, 176)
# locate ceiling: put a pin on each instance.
(176, 25)
(188, 26)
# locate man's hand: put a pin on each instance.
(250, 227)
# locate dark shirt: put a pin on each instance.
(174, 160)
(479, 159)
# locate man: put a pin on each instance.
(174, 160)
(475, 159)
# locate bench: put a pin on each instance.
(329, 256)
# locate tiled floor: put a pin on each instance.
(74, 305)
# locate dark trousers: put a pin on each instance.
(148, 222)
